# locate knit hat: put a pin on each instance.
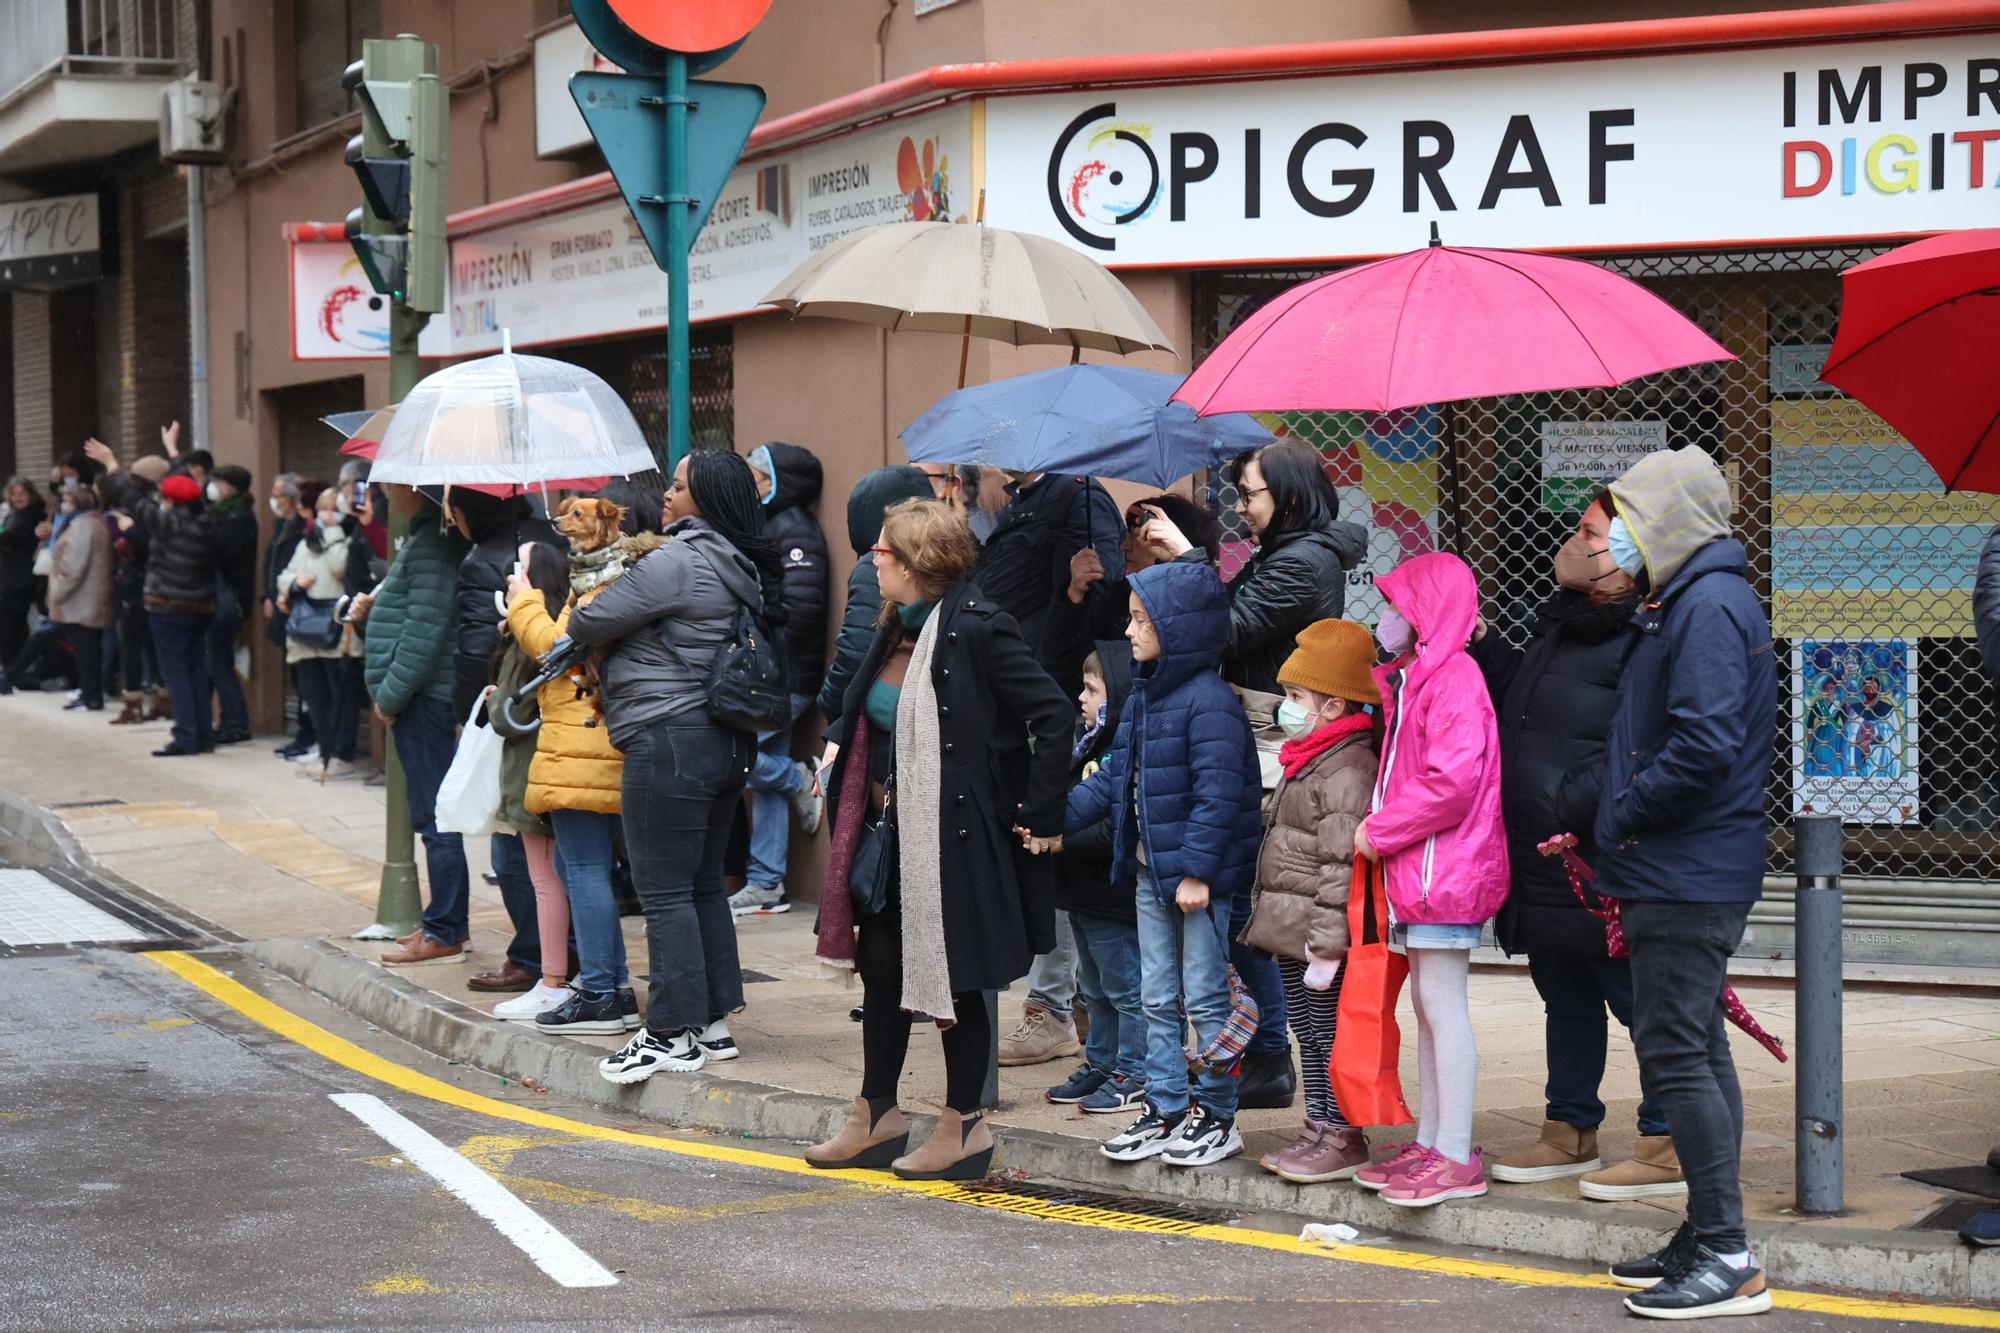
(181, 489)
(150, 469)
(1335, 658)
(239, 477)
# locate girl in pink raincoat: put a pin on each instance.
(1435, 826)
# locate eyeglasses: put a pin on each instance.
(883, 550)
(1247, 491)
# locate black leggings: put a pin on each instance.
(885, 1025)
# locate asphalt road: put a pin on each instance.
(167, 1163)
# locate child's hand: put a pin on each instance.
(1363, 847)
(1320, 972)
(517, 584)
(1192, 895)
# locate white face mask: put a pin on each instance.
(1393, 632)
(214, 491)
(1296, 721)
(330, 522)
(277, 507)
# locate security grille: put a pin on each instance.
(1863, 561)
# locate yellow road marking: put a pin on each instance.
(346, 1054)
(1087, 1300)
(405, 1284)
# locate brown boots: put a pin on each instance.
(160, 707)
(133, 711)
(874, 1136)
(1653, 1173)
(1563, 1150)
(958, 1149)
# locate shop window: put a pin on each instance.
(326, 38)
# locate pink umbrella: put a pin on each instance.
(1440, 324)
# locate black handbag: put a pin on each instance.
(312, 621)
(748, 687)
(874, 865)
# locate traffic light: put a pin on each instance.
(398, 233)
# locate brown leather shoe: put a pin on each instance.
(508, 977)
(425, 951)
(873, 1137)
(1563, 1150)
(958, 1149)
(1653, 1173)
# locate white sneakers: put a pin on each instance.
(645, 1055)
(537, 999)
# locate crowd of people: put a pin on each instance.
(1038, 765)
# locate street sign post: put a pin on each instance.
(670, 151)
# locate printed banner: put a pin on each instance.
(337, 316)
(1854, 730)
(1579, 457)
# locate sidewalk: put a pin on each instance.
(252, 850)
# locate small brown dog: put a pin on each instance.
(599, 552)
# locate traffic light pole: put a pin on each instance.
(679, 206)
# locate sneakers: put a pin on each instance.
(1145, 1137)
(1667, 1261)
(1205, 1138)
(584, 1013)
(1040, 1037)
(808, 801)
(1982, 1229)
(1333, 1154)
(1654, 1172)
(1563, 1150)
(645, 1055)
(1707, 1286)
(1117, 1094)
(759, 900)
(1438, 1180)
(716, 1043)
(628, 1009)
(1086, 1080)
(536, 1000)
(1402, 1158)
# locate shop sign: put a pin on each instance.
(1795, 369)
(1580, 457)
(45, 242)
(1862, 139)
(1854, 730)
(559, 53)
(336, 315)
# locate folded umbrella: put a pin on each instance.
(1085, 420)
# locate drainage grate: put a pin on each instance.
(1062, 1203)
(1950, 1216)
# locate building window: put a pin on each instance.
(326, 38)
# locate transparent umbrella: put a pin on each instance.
(510, 419)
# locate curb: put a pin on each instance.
(1918, 1264)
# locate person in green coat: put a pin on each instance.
(412, 621)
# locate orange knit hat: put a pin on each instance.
(1334, 657)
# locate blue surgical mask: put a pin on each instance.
(1624, 551)
(1394, 632)
(1295, 721)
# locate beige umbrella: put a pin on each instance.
(968, 278)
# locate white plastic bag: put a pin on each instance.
(469, 797)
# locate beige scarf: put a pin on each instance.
(919, 808)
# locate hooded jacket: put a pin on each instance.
(1184, 756)
(1083, 867)
(1436, 821)
(1682, 816)
(498, 532)
(1294, 579)
(789, 523)
(407, 652)
(685, 594)
(866, 503)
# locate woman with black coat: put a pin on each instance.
(953, 727)
(1555, 702)
(22, 513)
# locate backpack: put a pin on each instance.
(749, 686)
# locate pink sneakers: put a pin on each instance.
(1436, 1180)
(1402, 1158)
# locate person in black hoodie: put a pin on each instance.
(22, 513)
(788, 482)
(1025, 565)
(866, 503)
(233, 531)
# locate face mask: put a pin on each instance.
(1393, 632)
(1295, 721)
(330, 522)
(277, 507)
(1576, 564)
(214, 491)
(1625, 551)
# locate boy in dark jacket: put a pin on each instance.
(1182, 790)
(788, 482)
(1683, 833)
(1103, 918)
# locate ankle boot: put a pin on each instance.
(161, 709)
(959, 1148)
(876, 1133)
(133, 711)
(1268, 1081)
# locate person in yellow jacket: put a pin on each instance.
(576, 780)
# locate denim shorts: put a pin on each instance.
(1424, 935)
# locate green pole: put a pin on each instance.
(679, 395)
(399, 903)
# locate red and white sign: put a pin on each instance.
(336, 315)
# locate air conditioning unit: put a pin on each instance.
(191, 123)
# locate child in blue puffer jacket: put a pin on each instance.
(1182, 791)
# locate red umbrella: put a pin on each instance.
(1440, 324)
(1917, 344)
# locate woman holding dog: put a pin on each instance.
(663, 622)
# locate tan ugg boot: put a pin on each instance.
(1653, 1173)
(1563, 1150)
(133, 711)
(873, 1137)
(958, 1149)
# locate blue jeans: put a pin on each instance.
(1575, 990)
(1183, 976)
(1107, 973)
(181, 639)
(583, 858)
(425, 739)
(517, 892)
(774, 780)
(234, 709)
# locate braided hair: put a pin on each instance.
(726, 494)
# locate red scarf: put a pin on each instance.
(836, 907)
(1295, 754)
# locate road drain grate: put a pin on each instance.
(1068, 1204)
(1952, 1215)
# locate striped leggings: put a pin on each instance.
(1312, 1015)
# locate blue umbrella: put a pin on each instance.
(1082, 420)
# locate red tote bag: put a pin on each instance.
(1367, 1044)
